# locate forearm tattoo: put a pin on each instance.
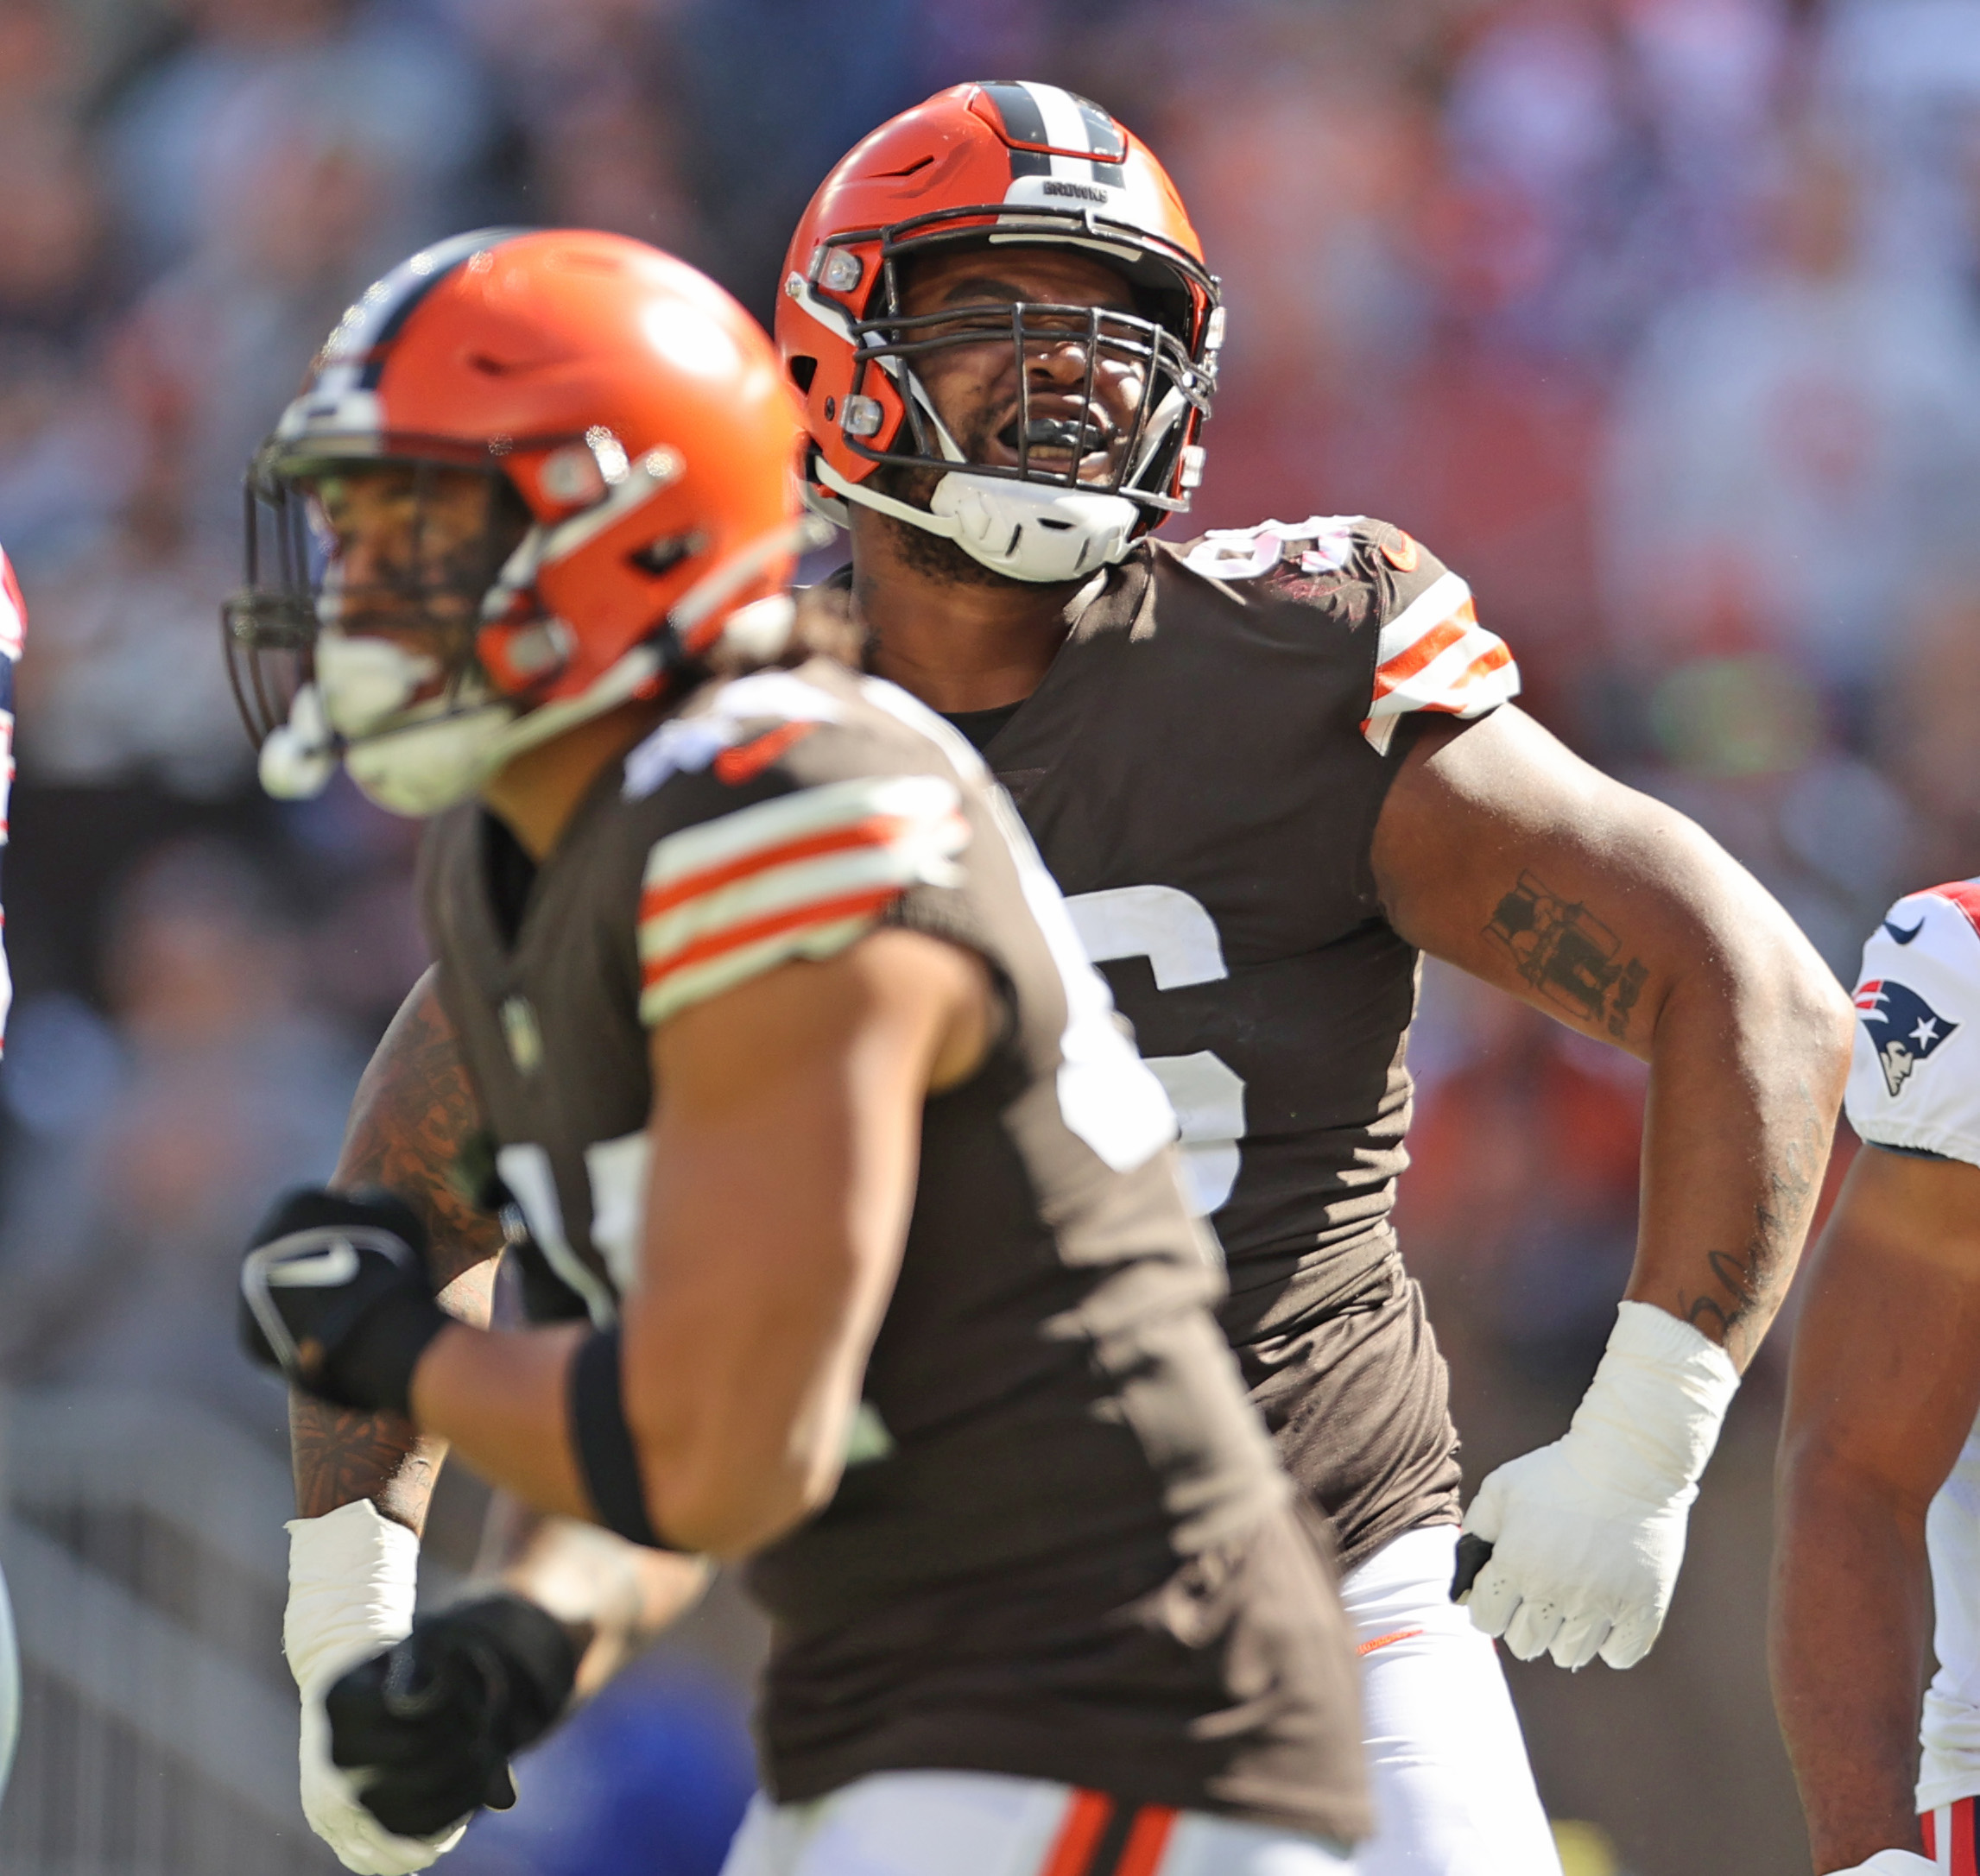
(339, 1457)
(1746, 1288)
(1569, 957)
(415, 1129)
(414, 1125)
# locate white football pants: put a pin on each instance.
(1447, 1768)
(979, 1823)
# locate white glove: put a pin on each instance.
(1893, 1863)
(1588, 1533)
(352, 1574)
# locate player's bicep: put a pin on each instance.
(786, 1127)
(1501, 851)
(786, 1137)
(1884, 1384)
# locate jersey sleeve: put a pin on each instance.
(13, 633)
(1431, 652)
(1914, 1074)
(801, 868)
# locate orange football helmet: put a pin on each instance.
(638, 441)
(1018, 162)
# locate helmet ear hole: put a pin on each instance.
(803, 370)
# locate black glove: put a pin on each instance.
(437, 1719)
(334, 1292)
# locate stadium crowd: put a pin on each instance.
(1659, 319)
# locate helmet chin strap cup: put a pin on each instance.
(1030, 531)
(1024, 530)
(299, 757)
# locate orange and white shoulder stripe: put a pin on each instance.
(803, 875)
(1434, 655)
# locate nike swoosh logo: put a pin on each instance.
(315, 1270)
(1904, 937)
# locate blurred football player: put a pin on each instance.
(1880, 1456)
(1268, 768)
(853, 1218)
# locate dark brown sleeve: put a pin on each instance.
(415, 1117)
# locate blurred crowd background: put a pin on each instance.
(1659, 319)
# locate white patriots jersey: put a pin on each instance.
(1914, 1081)
(1914, 1078)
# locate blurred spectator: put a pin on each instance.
(147, 1148)
(1796, 450)
(183, 141)
(128, 685)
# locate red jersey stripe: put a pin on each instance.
(1416, 655)
(1961, 1831)
(1146, 1841)
(739, 764)
(1483, 665)
(1086, 1815)
(735, 937)
(876, 830)
(1965, 894)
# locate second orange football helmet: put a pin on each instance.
(1020, 163)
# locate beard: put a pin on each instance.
(935, 557)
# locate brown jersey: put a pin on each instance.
(1061, 1547)
(1202, 769)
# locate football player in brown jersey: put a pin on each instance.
(856, 1237)
(1268, 768)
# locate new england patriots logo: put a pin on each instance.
(1904, 1028)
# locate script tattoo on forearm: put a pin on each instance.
(1566, 954)
(413, 1123)
(1747, 1288)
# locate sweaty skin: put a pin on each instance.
(1883, 1393)
(1487, 826)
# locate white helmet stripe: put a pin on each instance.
(1068, 126)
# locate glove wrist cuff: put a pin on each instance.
(374, 1371)
(352, 1576)
(1651, 1417)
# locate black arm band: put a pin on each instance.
(605, 1452)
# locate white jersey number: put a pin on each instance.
(1166, 925)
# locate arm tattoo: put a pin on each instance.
(1749, 1287)
(414, 1124)
(1569, 956)
(339, 1457)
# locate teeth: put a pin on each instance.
(1062, 432)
